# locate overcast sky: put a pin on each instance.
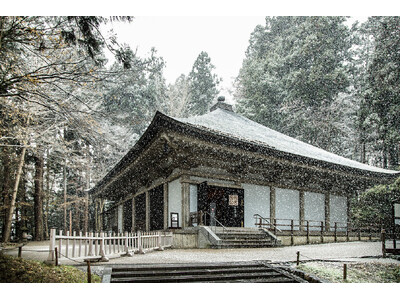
(181, 29)
(179, 40)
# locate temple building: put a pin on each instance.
(222, 167)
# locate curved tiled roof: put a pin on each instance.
(233, 125)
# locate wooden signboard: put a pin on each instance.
(397, 213)
(234, 200)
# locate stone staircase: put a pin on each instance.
(207, 272)
(239, 237)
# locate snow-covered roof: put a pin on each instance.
(230, 124)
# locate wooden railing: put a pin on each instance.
(103, 244)
(309, 228)
(390, 242)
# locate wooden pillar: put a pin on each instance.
(147, 211)
(185, 201)
(133, 215)
(327, 211)
(96, 219)
(272, 204)
(165, 186)
(348, 208)
(301, 210)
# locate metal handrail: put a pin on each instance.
(215, 229)
(255, 216)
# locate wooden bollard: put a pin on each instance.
(20, 251)
(298, 258)
(291, 232)
(89, 272)
(345, 272)
(56, 254)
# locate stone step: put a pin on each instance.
(243, 236)
(191, 266)
(207, 272)
(266, 275)
(188, 271)
(228, 246)
(244, 241)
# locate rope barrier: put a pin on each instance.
(70, 258)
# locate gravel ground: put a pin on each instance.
(351, 251)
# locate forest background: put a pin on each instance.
(67, 116)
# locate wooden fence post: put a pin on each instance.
(298, 258)
(322, 232)
(90, 244)
(335, 232)
(102, 252)
(345, 272)
(347, 232)
(60, 245)
(51, 257)
(126, 246)
(139, 238)
(73, 244)
(308, 232)
(80, 244)
(160, 246)
(274, 226)
(96, 248)
(67, 245)
(291, 232)
(383, 239)
(89, 272)
(56, 255)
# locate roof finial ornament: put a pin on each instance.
(221, 104)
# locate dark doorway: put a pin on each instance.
(127, 214)
(140, 212)
(157, 208)
(223, 202)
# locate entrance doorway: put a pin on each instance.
(226, 204)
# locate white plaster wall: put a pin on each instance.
(287, 206)
(193, 197)
(314, 207)
(120, 220)
(338, 210)
(175, 200)
(256, 201)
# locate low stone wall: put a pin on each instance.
(193, 238)
(185, 239)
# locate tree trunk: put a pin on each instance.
(5, 193)
(86, 220)
(7, 227)
(38, 197)
(65, 195)
(47, 198)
